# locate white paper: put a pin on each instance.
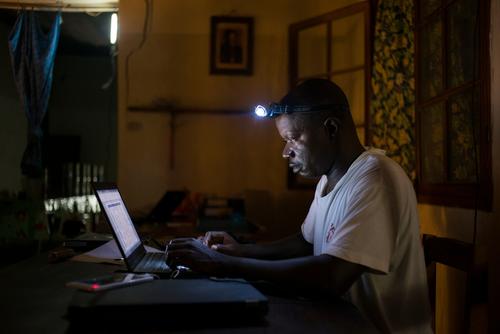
(107, 253)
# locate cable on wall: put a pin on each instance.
(145, 30)
(475, 73)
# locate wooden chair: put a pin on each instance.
(455, 254)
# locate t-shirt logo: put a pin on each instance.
(331, 232)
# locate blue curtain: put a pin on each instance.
(32, 53)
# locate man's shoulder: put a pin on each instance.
(369, 163)
(376, 167)
(377, 160)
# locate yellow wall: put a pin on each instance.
(214, 154)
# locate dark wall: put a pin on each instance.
(12, 121)
(78, 105)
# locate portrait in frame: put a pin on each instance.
(231, 45)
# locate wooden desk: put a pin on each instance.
(34, 299)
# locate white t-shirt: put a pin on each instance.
(370, 218)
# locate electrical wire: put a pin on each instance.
(145, 30)
(112, 54)
(475, 71)
(111, 95)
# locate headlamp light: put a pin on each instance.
(276, 109)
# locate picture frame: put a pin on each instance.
(231, 45)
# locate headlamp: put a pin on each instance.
(276, 109)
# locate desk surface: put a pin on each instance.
(34, 299)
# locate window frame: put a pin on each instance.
(466, 195)
(364, 8)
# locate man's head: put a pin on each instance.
(231, 37)
(315, 139)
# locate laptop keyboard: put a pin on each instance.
(153, 262)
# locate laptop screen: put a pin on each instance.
(120, 220)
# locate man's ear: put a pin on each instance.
(332, 126)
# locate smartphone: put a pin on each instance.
(112, 281)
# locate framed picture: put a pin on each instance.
(231, 45)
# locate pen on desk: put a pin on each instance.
(166, 247)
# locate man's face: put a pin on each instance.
(232, 38)
(307, 146)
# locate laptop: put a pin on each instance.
(137, 258)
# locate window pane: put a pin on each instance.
(428, 6)
(432, 143)
(312, 51)
(353, 85)
(431, 60)
(348, 42)
(461, 26)
(462, 156)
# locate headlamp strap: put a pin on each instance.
(277, 108)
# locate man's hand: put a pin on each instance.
(315, 275)
(221, 242)
(193, 254)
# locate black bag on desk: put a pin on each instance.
(180, 303)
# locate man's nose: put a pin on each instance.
(287, 152)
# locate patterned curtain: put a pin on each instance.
(33, 53)
(392, 107)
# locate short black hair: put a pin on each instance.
(314, 92)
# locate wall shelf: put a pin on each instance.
(175, 111)
(184, 110)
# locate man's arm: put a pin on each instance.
(291, 246)
(310, 275)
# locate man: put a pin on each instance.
(360, 238)
(230, 49)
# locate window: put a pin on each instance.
(452, 103)
(334, 46)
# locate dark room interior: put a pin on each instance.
(179, 127)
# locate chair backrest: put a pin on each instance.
(450, 252)
(456, 254)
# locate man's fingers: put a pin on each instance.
(187, 243)
(206, 238)
(212, 238)
(178, 240)
(177, 257)
(178, 245)
(225, 249)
